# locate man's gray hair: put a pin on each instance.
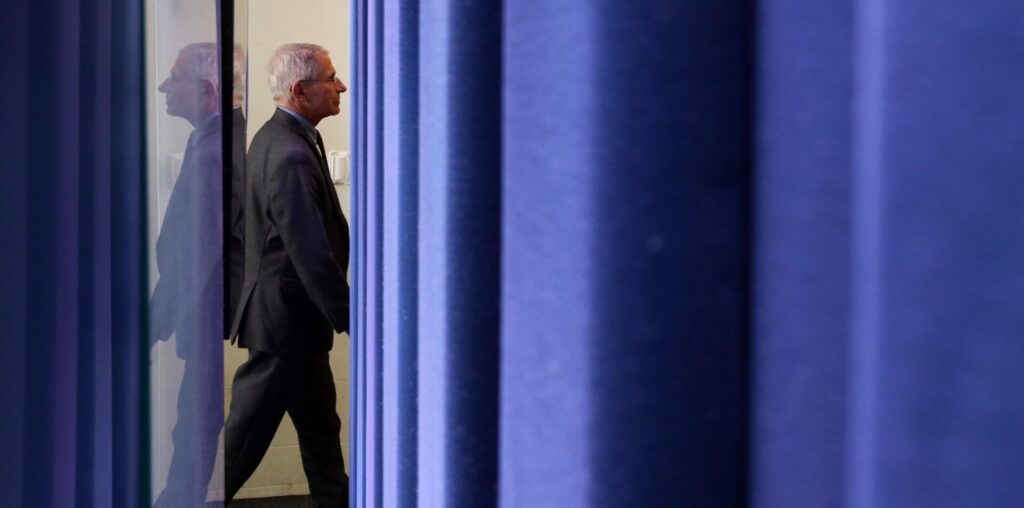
(203, 62)
(291, 63)
(238, 75)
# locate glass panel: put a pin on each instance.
(239, 133)
(186, 251)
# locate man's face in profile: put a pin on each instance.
(185, 93)
(324, 91)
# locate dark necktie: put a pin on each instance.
(326, 173)
(320, 145)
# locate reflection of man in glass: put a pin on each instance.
(188, 300)
(294, 292)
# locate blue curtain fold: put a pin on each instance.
(801, 318)
(400, 189)
(938, 224)
(888, 235)
(427, 144)
(358, 429)
(624, 287)
(14, 258)
(550, 107)
(72, 267)
(460, 149)
(385, 270)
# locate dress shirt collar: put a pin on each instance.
(306, 125)
(203, 128)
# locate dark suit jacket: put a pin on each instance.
(296, 245)
(189, 297)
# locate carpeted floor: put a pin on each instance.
(274, 502)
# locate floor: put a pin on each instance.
(274, 502)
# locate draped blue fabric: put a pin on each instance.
(803, 259)
(890, 234)
(401, 196)
(425, 354)
(550, 216)
(72, 266)
(750, 253)
(939, 227)
(385, 465)
(624, 280)
(460, 245)
(359, 429)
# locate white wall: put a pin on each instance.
(275, 22)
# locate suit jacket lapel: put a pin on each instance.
(282, 116)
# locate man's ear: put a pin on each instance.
(208, 88)
(297, 90)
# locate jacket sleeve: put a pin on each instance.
(188, 293)
(296, 211)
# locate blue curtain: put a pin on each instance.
(889, 236)
(689, 253)
(427, 230)
(624, 272)
(72, 263)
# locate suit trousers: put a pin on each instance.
(265, 387)
(200, 417)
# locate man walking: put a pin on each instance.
(294, 294)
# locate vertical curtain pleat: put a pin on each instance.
(53, 289)
(405, 463)
(624, 265)
(391, 342)
(671, 250)
(358, 224)
(14, 222)
(459, 249)
(939, 234)
(128, 285)
(866, 182)
(374, 240)
(550, 106)
(93, 326)
(802, 256)
(888, 240)
(385, 330)
(401, 200)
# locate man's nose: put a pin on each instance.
(340, 86)
(163, 86)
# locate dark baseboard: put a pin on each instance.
(274, 502)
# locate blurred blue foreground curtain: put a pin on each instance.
(747, 253)
(72, 282)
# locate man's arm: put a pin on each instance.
(296, 212)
